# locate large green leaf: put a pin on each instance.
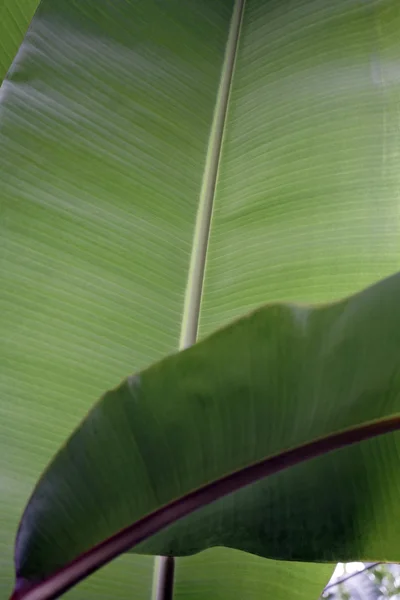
(279, 378)
(105, 122)
(105, 127)
(15, 16)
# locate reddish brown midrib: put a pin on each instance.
(101, 554)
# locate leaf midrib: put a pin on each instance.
(163, 577)
(194, 289)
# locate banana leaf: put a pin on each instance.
(165, 169)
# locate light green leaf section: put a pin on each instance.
(307, 205)
(123, 579)
(221, 574)
(15, 16)
(104, 124)
(216, 574)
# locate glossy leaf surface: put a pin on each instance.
(105, 123)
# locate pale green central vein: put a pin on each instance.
(194, 288)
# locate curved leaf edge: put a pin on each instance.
(89, 562)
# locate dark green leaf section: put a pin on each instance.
(52, 587)
(277, 378)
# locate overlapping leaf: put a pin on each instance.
(280, 378)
